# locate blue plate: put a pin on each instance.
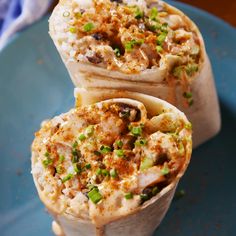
(34, 85)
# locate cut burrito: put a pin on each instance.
(110, 167)
(142, 46)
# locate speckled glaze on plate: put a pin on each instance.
(34, 85)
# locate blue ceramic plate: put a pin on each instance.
(34, 85)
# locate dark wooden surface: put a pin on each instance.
(224, 9)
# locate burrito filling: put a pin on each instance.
(107, 159)
(130, 36)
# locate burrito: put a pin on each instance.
(110, 167)
(145, 46)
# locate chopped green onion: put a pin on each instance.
(190, 102)
(88, 166)
(146, 163)
(47, 162)
(89, 130)
(181, 148)
(72, 30)
(77, 168)
(154, 13)
(164, 28)
(66, 13)
(130, 45)
(105, 149)
(144, 197)
(76, 154)
(119, 143)
(128, 196)
(105, 172)
(191, 69)
(120, 153)
(138, 13)
(97, 153)
(178, 72)
(187, 94)
(159, 48)
(165, 170)
(136, 130)
(98, 171)
(94, 195)
(188, 126)
(140, 142)
(88, 27)
(91, 186)
(117, 52)
(61, 158)
(125, 113)
(161, 38)
(179, 194)
(155, 190)
(113, 173)
(82, 137)
(59, 169)
(68, 177)
(75, 144)
(47, 154)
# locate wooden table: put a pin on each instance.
(224, 9)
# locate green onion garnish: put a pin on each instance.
(89, 130)
(61, 158)
(117, 52)
(181, 148)
(165, 170)
(47, 162)
(68, 177)
(47, 154)
(140, 142)
(136, 131)
(76, 154)
(105, 149)
(130, 45)
(146, 163)
(75, 144)
(191, 69)
(82, 137)
(161, 38)
(138, 14)
(187, 94)
(164, 28)
(97, 153)
(120, 153)
(188, 126)
(159, 48)
(59, 169)
(105, 172)
(144, 197)
(72, 30)
(119, 143)
(154, 13)
(94, 195)
(98, 171)
(179, 194)
(155, 190)
(178, 72)
(77, 168)
(128, 196)
(113, 173)
(88, 166)
(88, 27)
